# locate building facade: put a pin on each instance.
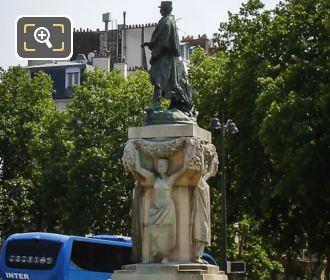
(64, 75)
(121, 45)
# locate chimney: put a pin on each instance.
(106, 19)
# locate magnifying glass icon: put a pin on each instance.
(41, 35)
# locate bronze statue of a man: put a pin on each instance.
(164, 46)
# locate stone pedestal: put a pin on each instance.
(169, 272)
(171, 207)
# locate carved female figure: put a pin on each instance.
(200, 212)
(162, 213)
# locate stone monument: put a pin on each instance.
(171, 159)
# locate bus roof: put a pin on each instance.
(39, 235)
(113, 238)
(106, 239)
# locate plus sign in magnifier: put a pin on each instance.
(41, 35)
(44, 38)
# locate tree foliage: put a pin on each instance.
(61, 171)
(83, 185)
(24, 104)
(99, 116)
(271, 75)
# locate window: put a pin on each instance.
(99, 257)
(32, 254)
(72, 78)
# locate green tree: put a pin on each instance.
(249, 245)
(24, 103)
(82, 185)
(51, 150)
(271, 75)
(294, 105)
(99, 115)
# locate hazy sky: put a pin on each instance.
(196, 16)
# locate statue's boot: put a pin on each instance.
(155, 105)
(156, 99)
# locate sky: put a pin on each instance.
(194, 17)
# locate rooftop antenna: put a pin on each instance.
(124, 38)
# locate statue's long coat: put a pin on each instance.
(164, 46)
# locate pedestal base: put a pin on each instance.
(169, 272)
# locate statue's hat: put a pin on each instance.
(165, 4)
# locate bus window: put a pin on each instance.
(99, 257)
(32, 254)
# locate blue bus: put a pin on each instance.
(49, 256)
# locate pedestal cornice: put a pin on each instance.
(169, 131)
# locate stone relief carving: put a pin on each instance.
(193, 147)
(200, 210)
(200, 158)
